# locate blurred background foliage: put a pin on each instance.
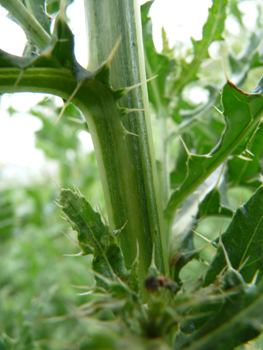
(36, 278)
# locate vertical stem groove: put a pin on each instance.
(141, 202)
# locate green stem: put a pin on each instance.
(140, 202)
(162, 117)
(30, 25)
(162, 147)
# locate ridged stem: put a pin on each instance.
(107, 21)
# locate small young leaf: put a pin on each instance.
(93, 236)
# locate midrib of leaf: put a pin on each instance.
(198, 59)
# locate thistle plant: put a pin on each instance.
(139, 299)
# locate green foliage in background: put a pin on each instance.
(166, 253)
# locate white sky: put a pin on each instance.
(181, 20)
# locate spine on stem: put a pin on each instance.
(138, 198)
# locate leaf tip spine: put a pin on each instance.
(73, 255)
(244, 158)
(126, 111)
(60, 206)
(130, 88)
(20, 75)
(120, 229)
(56, 183)
(113, 51)
(185, 147)
(255, 278)
(68, 102)
(130, 133)
(218, 110)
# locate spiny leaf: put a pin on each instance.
(240, 315)
(84, 219)
(93, 236)
(212, 30)
(242, 113)
(188, 129)
(242, 240)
